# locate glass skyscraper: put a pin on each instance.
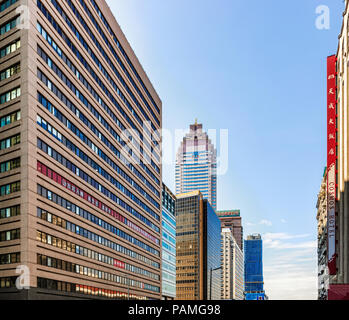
(198, 248)
(212, 244)
(196, 165)
(168, 244)
(254, 285)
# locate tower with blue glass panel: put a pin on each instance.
(254, 284)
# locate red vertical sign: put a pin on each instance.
(331, 163)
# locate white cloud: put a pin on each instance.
(290, 266)
(266, 222)
(283, 221)
(283, 236)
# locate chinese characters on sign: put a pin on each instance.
(331, 163)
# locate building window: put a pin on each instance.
(10, 188)
(10, 118)
(9, 72)
(10, 212)
(10, 235)
(9, 258)
(10, 48)
(9, 25)
(10, 95)
(6, 4)
(9, 142)
(10, 165)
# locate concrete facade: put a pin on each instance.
(80, 199)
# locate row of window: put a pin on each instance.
(88, 68)
(72, 247)
(8, 282)
(92, 36)
(6, 4)
(83, 99)
(10, 165)
(10, 188)
(10, 212)
(168, 218)
(44, 283)
(9, 25)
(10, 95)
(9, 72)
(54, 154)
(10, 142)
(120, 47)
(80, 173)
(95, 59)
(58, 221)
(72, 147)
(99, 64)
(96, 114)
(53, 175)
(91, 272)
(90, 217)
(8, 258)
(93, 92)
(9, 48)
(10, 235)
(87, 141)
(168, 247)
(10, 118)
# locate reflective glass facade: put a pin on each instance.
(198, 248)
(189, 265)
(212, 243)
(168, 244)
(253, 264)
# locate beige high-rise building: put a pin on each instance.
(79, 214)
(232, 260)
(337, 232)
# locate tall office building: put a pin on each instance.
(198, 244)
(168, 244)
(196, 165)
(337, 231)
(231, 219)
(79, 214)
(254, 284)
(232, 260)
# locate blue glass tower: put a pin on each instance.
(254, 285)
(168, 244)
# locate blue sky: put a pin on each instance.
(256, 68)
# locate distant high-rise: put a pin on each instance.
(196, 165)
(198, 248)
(254, 285)
(231, 219)
(232, 260)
